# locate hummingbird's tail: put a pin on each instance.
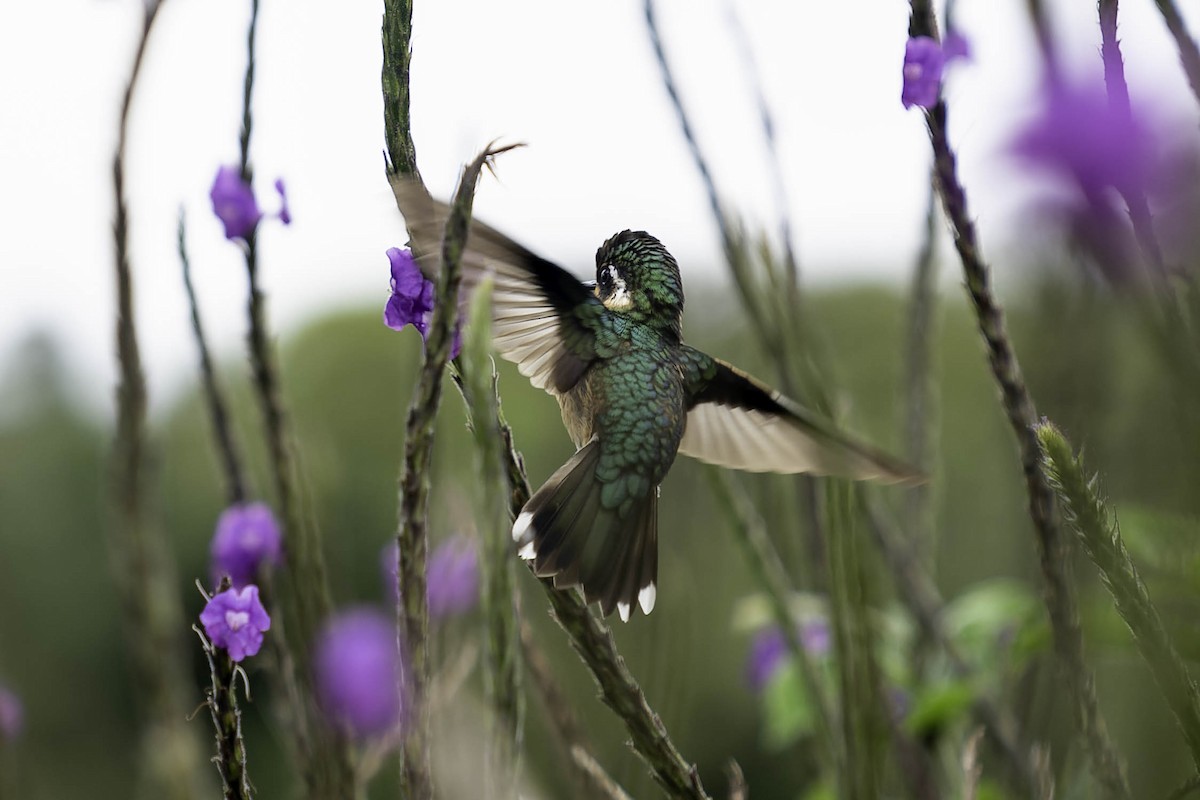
(568, 534)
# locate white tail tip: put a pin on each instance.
(521, 525)
(646, 598)
(623, 609)
(527, 552)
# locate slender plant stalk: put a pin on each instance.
(751, 535)
(397, 55)
(1189, 54)
(601, 780)
(593, 641)
(1097, 529)
(226, 714)
(502, 684)
(412, 536)
(1059, 594)
(920, 401)
(218, 410)
(323, 759)
(144, 571)
(568, 733)
(863, 728)
(1118, 99)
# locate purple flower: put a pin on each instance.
(357, 669)
(411, 301)
(769, 650)
(924, 62)
(233, 203)
(247, 536)
(1076, 134)
(235, 620)
(452, 582)
(12, 715)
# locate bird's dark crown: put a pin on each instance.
(637, 277)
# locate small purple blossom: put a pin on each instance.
(235, 620)
(411, 300)
(246, 538)
(925, 61)
(233, 203)
(357, 670)
(769, 650)
(452, 582)
(12, 715)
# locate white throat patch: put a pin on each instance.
(620, 299)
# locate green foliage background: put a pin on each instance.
(347, 381)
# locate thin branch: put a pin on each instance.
(1189, 54)
(401, 153)
(1059, 591)
(323, 761)
(214, 398)
(144, 572)
(1118, 99)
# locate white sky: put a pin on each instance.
(576, 81)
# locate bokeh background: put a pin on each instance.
(579, 84)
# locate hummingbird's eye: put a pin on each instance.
(606, 279)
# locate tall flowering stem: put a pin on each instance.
(1100, 535)
(226, 714)
(1059, 593)
(397, 55)
(412, 537)
(502, 681)
(1118, 99)
(218, 409)
(324, 765)
(144, 574)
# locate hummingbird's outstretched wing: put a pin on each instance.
(539, 309)
(737, 421)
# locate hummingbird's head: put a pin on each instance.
(637, 277)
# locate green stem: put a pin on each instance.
(412, 537)
(502, 683)
(397, 55)
(1097, 529)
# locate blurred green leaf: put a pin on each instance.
(789, 713)
(1161, 541)
(938, 706)
(1000, 617)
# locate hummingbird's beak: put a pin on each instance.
(590, 285)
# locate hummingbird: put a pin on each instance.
(633, 396)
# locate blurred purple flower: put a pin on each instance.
(235, 620)
(453, 577)
(1078, 135)
(12, 715)
(411, 301)
(452, 583)
(769, 650)
(924, 63)
(357, 669)
(247, 536)
(233, 203)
